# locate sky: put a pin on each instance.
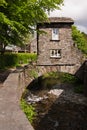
(75, 9)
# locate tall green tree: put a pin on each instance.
(79, 39)
(18, 16)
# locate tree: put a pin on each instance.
(18, 16)
(85, 35)
(80, 39)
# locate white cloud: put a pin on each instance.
(82, 28)
(75, 9)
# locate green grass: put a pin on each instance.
(29, 110)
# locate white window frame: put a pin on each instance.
(55, 34)
(55, 53)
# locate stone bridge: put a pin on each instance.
(11, 116)
(80, 72)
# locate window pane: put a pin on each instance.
(52, 52)
(56, 53)
(55, 34)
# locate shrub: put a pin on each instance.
(26, 57)
(62, 77)
(52, 78)
(79, 40)
(68, 78)
(10, 60)
(29, 110)
(79, 88)
(33, 73)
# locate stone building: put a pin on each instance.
(33, 45)
(55, 46)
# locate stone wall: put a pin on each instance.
(68, 69)
(85, 79)
(71, 57)
(21, 82)
(82, 74)
(45, 44)
(33, 46)
(11, 115)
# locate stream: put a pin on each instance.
(58, 108)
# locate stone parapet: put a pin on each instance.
(11, 115)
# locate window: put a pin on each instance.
(55, 35)
(55, 53)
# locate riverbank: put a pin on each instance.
(58, 108)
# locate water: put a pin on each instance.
(58, 107)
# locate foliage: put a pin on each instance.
(79, 40)
(79, 88)
(8, 60)
(68, 78)
(53, 78)
(61, 76)
(85, 35)
(33, 73)
(18, 16)
(26, 57)
(29, 110)
(51, 75)
(11, 60)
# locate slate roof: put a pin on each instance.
(55, 21)
(61, 20)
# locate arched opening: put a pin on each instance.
(58, 107)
